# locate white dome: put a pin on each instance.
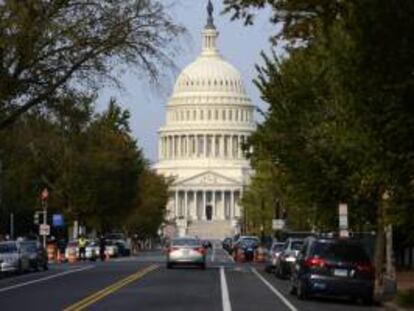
(209, 73)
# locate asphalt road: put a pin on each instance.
(143, 283)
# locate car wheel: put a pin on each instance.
(19, 267)
(169, 265)
(36, 267)
(279, 272)
(203, 266)
(45, 266)
(292, 289)
(301, 290)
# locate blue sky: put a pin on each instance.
(239, 45)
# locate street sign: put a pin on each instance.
(278, 224)
(44, 229)
(57, 220)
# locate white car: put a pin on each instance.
(92, 250)
(111, 249)
(13, 258)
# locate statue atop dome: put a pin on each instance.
(210, 19)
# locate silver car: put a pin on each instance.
(186, 251)
(12, 258)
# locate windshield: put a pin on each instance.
(277, 247)
(8, 248)
(29, 247)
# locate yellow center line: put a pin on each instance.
(91, 299)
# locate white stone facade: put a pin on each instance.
(209, 117)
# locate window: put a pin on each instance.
(201, 114)
(209, 115)
(230, 115)
(216, 114)
(224, 115)
(194, 115)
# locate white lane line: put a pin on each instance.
(225, 298)
(275, 291)
(213, 255)
(5, 289)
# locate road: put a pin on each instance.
(143, 283)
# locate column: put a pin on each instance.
(173, 146)
(196, 145)
(203, 209)
(231, 146)
(195, 205)
(231, 204)
(205, 145)
(240, 155)
(214, 205)
(223, 210)
(179, 147)
(176, 203)
(185, 204)
(213, 145)
(222, 137)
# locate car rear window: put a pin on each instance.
(277, 247)
(340, 251)
(7, 248)
(297, 245)
(184, 242)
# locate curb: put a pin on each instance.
(390, 306)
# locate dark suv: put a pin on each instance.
(333, 267)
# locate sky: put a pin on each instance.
(239, 45)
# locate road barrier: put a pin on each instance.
(72, 255)
(51, 252)
(260, 254)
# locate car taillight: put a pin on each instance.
(366, 267)
(315, 262)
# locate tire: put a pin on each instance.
(45, 266)
(19, 268)
(292, 289)
(203, 266)
(301, 291)
(169, 265)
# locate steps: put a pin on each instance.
(212, 230)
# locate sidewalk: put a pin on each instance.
(405, 281)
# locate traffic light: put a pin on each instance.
(36, 218)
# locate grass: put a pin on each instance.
(405, 298)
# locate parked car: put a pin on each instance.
(227, 244)
(12, 259)
(287, 258)
(334, 267)
(186, 250)
(36, 253)
(273, 256)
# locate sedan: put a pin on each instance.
(287, 258)
(186, 251)
(273, 256)
(12, 259)
(36, 253)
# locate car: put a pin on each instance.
(72, 249)
(245, 247)
(36, 253)
(92, 250)
(186, 251)
(123, 247)
(273, 256)
(111, 248)
(12, 258)
(334, 267)
(287, 258)
(206, 244)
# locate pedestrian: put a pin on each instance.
(82, 248)
(102, 246)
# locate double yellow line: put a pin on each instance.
(89, 300)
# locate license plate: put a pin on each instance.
(341, 272)
(186, 252)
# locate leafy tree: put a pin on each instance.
(48, 48)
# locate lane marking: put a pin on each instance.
(225, 298)
(275, 291)
(213, 255)
(54, 276)
(99, 295)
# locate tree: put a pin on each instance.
(48, 48)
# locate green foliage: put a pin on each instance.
(91, 165)
(50, 47)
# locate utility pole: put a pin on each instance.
(44, 197)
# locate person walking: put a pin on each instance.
(102, 246)
(82, 248)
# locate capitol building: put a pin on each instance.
(209, 117)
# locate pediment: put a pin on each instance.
(208, 179)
